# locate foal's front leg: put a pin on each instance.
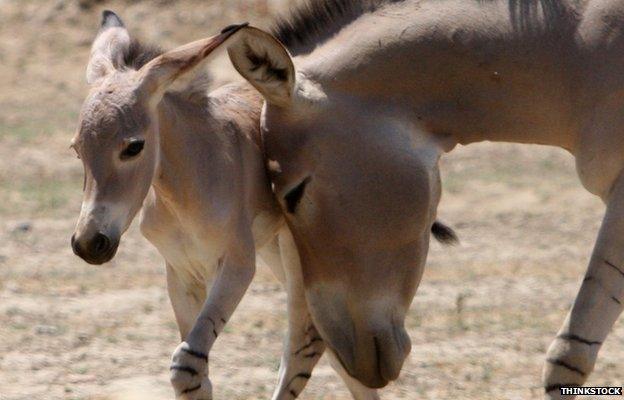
(189, 367)
(571, 357)
(187, 300)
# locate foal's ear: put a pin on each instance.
(157, 75)
(109, 47)
(261, 59)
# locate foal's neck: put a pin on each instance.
(181, 120)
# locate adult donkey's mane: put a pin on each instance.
(316, 21)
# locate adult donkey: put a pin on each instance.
(192, 161)
(354, 123)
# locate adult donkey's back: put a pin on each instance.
(355, 122)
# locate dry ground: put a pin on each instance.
(480, 323)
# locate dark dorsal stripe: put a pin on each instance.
(315, 21)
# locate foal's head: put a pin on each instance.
(359, 190)
(117, 137)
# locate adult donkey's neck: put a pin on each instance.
(471, 70)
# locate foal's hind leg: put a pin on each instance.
(303, 346)
(571, 357)
(186, 302)
(358, 391)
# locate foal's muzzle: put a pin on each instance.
(96, 249)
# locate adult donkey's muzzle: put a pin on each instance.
(379, 355)
(96, 248)
(373, 356)
(367, 337)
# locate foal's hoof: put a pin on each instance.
(189, 370)
(204, 392)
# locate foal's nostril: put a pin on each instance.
(100, 244)
(96, 249)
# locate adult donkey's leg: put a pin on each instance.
(571, 357)
(190, 360)
(303, 345)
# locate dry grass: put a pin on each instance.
(482, 319)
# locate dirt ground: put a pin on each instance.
(482, 319)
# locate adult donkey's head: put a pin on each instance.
(359, 191)
(117, 137)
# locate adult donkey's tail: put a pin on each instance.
(444, 234)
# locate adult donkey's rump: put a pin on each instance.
(354, 125)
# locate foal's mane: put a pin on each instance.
(315, 21)
(139, 53)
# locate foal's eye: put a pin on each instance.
(133, 148)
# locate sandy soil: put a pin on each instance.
(480, 323)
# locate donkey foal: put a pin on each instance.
(193, 163)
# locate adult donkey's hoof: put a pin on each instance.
(189, 369)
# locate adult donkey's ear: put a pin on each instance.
(109, 47)
(261, 59)
(161, 72)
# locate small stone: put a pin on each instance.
(46, 330)
(82, 339)
(80, 377)
(23, 227)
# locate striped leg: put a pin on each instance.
(303, 346)
(572, 355)
(187, 303)
(302, 350)
(189, 365)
